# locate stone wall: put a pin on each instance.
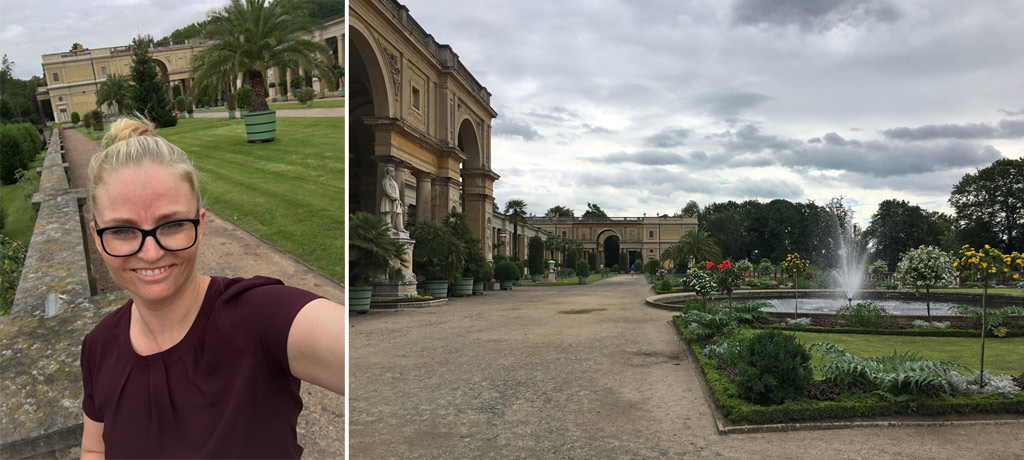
(40, 341)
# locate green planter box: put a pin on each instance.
(437, 289)
(463, 288)
(536, 278)
(261, 126)
(359, 299)
(478, 288)
(506, 285)
(583, 280)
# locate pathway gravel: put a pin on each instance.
(574, 372)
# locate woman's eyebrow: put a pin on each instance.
(161, 218)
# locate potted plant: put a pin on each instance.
(474, 256)
(306, 96)
(522, 273)
(244, 97)
(75, 118)
(535, 258)
(232, 105)
(296, 83)
(97, 122)
(483, 276)
(506, 273)
(371, 251)
(438, 256)
(189, 109)
(582, 271)
(179, 105)
(284, 89)
(87, 122)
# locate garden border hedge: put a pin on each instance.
(919, 332)
(848, 406)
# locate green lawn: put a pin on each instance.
(290, 105)
(21, 218)
(291, 191)
(1002, 356)
(979, 290)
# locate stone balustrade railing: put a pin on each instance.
(40, 341)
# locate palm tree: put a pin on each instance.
(515, 209)
(251, 36)
(699, 245)
(116, 88)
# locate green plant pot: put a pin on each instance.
(309, 103)
(284, 98)
(583, 280)
(478, 288)
(243, 112)
(506, 285)
(231, 114)
(359, 299)
(536, 278)
(191, 115)
(320, 95)
(437, 289)
(463, 288)
(341, 93)
(261, 126)
(518, 282)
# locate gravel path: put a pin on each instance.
(574, 372)
(229, 250)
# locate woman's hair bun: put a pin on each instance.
(129, 127)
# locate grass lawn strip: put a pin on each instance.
(739, 411)
(317, 104)
(17, 203)
(289, 192)
(569, 281)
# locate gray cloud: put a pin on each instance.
(668, 138)
(820, 15)
(506, 127)
(591, 129)
(727, 103)
(768, 188)
(643, 157)
(1006, 129)
(1012, 113)
(554, 113)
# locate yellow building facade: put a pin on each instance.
(642, 238)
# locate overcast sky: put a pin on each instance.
(32, 28)
(639, 106)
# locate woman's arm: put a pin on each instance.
(92, 439)
(316, 345)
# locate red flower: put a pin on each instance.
(726, 263)
(709, 265)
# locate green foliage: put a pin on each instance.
(878, 268)
(306, 95)
(75, 117)
(485, 273)
(12, 259)
(988, 205)
(703, 281)
(251, 36)
(694, 245)
(559, 211)
(148, 95)
(296, 82)
(652, 266)
(623, 264)
(865, 314)
(774, 368)
(244, 95)
(371, 250)
(116, 89)
(705, 326)
(18, 97)
(87, 121)
(572, 255)
(535, 255)
(994, 317)
(179, 103)
(594, 211)
(97, 120)
(582, 269)
(897, 374)
(232, 102)
(506, 271)
(19, 145)
(592, 259)
(437, 254)
(926, 267)
(474, 256)
(897, 226)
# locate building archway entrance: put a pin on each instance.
(611, 251)
(366, 89)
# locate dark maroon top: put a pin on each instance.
(224, 390)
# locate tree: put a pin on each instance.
(560, 211)
(926, 267)
(535, 257)
(148, 95)
(692, 209)
(515, 209)
(698, 245)
(76, 46)
(252, 36)
(593, 210)
(116, 89)
(897, 227)
(989, 205)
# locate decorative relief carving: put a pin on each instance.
(394, 65)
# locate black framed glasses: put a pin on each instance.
(126, 240)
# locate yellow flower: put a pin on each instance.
(1016, 276)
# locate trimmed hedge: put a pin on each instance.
(19, 145)
(917, 332)
(846, 406)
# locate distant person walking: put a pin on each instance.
(632, 270)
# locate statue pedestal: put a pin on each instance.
(406, 287)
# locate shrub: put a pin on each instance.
(934, 324)
(824, 390)
(704, 326)
(179, 103)
(306, 95)
(506, 271)
(798, 322)
(244, 97)
(97, 120)
(438, 254)
(999, 384)
(12, 259)
(582, 269)
(535, 255)
(232, 105)
(519, 267)
(87, 121)
(994, 318)
(652, 266)
(899, 373)
(19, 145)
(774, 368)
(75, 117)
(623, 262)
(864, 314)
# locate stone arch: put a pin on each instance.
(469, 143)
(605, 233)
(369, 97)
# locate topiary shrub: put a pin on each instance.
(652, 266)
(75, 117)
(535, 255)
(244, 97)
(582, 269)
(864, 314)
(506, 271)
(774, 368)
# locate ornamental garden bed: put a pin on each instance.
(843, 392)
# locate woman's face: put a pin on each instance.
(146, 196)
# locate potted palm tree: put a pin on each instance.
(371, 251)
(482, 276)
(438, 256)
(251, 36)
(456, 223)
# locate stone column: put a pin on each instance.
(424, 182)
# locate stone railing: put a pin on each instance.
(40, 341)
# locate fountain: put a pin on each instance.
(850, 264)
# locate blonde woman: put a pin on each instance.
(192, 366)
